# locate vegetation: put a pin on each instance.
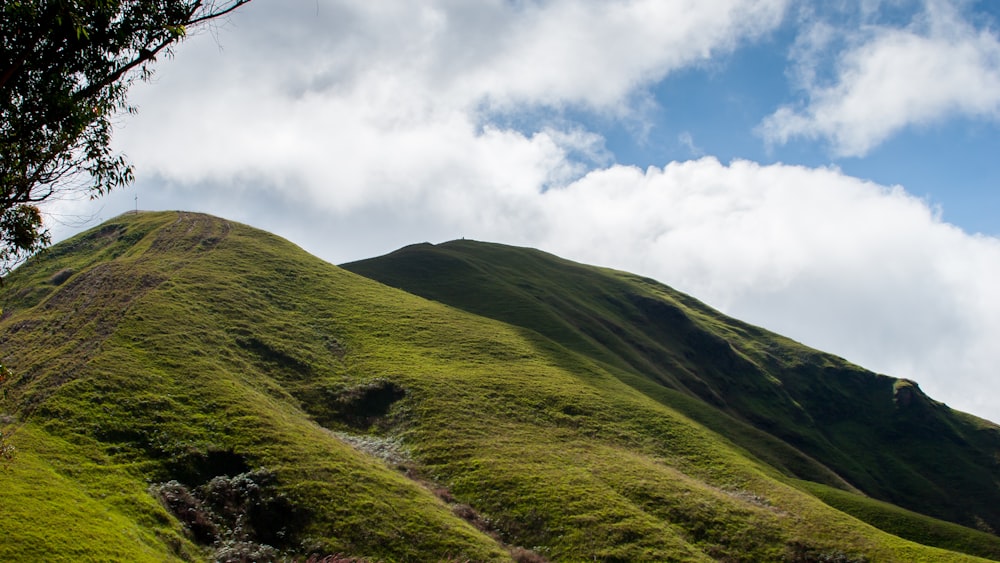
(172, 371)
(811, 415)
(65, 69)
(907, 524)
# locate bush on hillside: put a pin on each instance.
(241, 516)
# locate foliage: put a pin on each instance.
(65, 69)
(240, 516)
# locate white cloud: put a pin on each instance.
(346, 105)
(597, 53)
(296, 82)
(686, 140)
(892, 78)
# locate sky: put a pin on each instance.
(827, 170)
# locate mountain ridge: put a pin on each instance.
(164, 361)
(777, 376)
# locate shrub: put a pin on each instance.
(7, 451)
(244, 552)
(802, 553)
(242, 516)
(189, 509)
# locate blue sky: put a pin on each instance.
(716, 108)
(825, 170)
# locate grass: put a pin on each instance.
(66, 501)
(158, 382)
(811, 415)
(183, 347)
(907, 524)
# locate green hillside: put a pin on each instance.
(187, 388)
(776, 398)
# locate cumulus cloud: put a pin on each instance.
(348, 104)
(891, 78)
(597, 53)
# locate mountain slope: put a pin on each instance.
(187, 388)
(880, 434)
(128, 343)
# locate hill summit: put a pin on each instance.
(183, 387)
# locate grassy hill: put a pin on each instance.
(881, 435)
(187, 388)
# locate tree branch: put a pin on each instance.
(149, 54)
(213, 15)
(144, 55)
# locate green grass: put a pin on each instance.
(811, 415)
(64, 501)
(154, 378)
(185, 347)
(907, 524)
